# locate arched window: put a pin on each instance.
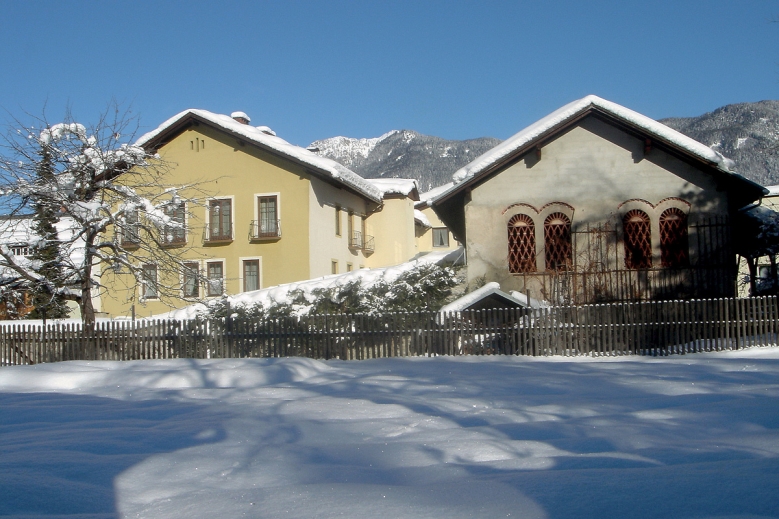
(638, 240)
(674, 244)
(522, 244)
(557, 242)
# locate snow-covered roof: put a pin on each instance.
(18, 231)
(571, 111)
(259, 136)
(772, 190)
(491, 289)
(421, 219)
(396, 186)
(426, 197)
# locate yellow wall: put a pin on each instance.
(223, 168)
(325, 246)
(393, 230)
(424, 236)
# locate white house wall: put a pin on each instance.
(592, 169)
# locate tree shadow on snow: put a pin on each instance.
(60, 453)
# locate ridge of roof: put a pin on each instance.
(570, 112)
(323, 165)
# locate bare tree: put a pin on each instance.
(114, 211)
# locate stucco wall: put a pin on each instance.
(591, 171)
(325, 246)
(220, 167)
(393, 231)
(424, 237)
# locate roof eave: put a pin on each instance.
(160, 139)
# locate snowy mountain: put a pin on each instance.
(748, 133)
(404, 154)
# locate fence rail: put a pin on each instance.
(638, 328)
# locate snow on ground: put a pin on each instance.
(639, 437)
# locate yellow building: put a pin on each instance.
(263, 212)
(431, 233)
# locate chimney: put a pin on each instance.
(241, 117)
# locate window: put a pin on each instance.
(20, 250)
(175, 232)
(149, 281)
(440, 237)
(638, 240)
(268, 214)
(215, 280)
(350, 227)
(349, 267)
(338, 220)
(557, 242)
(522, 244)
(334, 267)
(130, 230)
(190, 279)
(674, 246)
(220, 219)
(251, 275)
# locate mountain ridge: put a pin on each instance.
(748, 133)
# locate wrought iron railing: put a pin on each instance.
(173, 235)
(360, 241)
(368, 245)
(262, 230)
(215, 233)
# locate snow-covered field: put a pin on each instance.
(678, 437)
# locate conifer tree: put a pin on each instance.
(45, 255)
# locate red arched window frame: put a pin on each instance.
(522, 244)
(638, 240)
(674, 243)
(557, 242)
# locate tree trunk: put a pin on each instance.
(752, 276)
(87, 310)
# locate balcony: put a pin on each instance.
(358, 241)
(217, 234)
(172, 236)
(265, 230)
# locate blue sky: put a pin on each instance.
(312, 70)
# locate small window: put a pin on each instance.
(334, 267)
(638, 240)
(349, 267)
(338, 220)
(440, 237)
(557, 242)
(674, 246)
(150, 281)
(131, 228)
(251, 275)
(174, 232)
(190, 279)
(220, 220)
(269, 216)
(215, 280)
(522, 244)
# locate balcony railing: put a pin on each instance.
(368, 244)
(358, 241)
(173, 235)
(216, 234)
(130, 237)
(264, 230)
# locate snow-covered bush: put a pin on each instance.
(424, 287)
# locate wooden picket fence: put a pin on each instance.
(638, 328)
